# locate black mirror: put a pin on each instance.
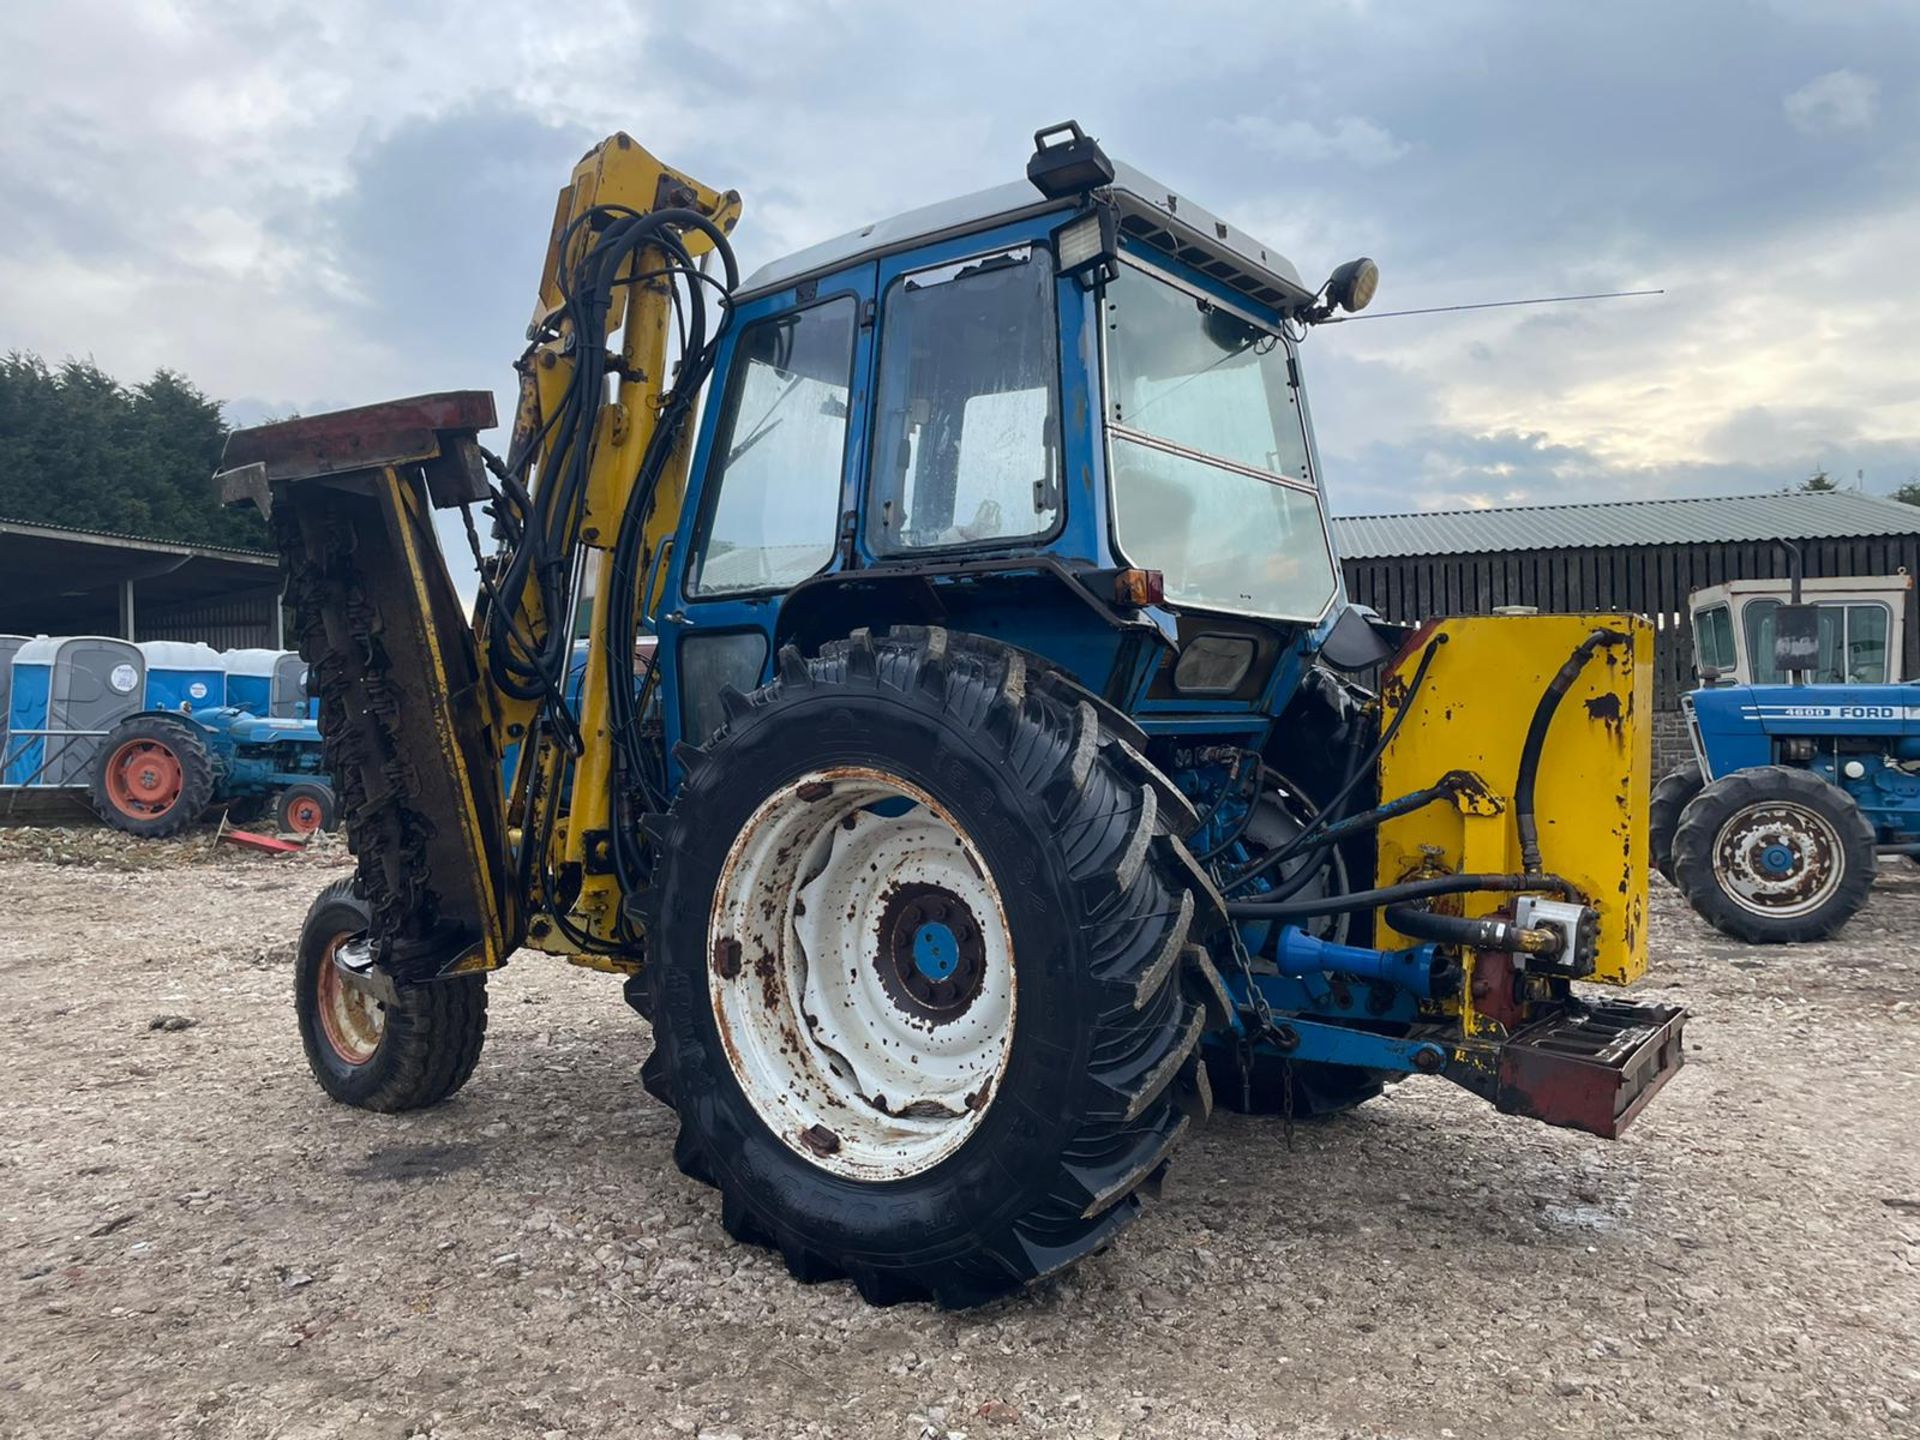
(1229, 331)
(1796, 638)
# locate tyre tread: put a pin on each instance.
(1700, 825)
(1141, 899)
(433, 1039)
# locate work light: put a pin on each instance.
(1087, 247)
(1070, 166)
(1351, 286)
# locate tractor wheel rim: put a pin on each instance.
(1778, 859)
(303, 816)
(352, 1020)
(144, 778)
(861, 973)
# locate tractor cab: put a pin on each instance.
(1862, 629)
(1067, 416)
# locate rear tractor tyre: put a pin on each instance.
(153, 776)
(304, 809)
(924, 995)
(1774, 856)
(375, 1056)
(1670, 797)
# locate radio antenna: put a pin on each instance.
(1492, 305)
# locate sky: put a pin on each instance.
(304, 206)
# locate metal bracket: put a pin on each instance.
(354, 961)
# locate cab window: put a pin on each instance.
(1853, 643)
(1211, 480)
(773, 490)
(1713, 640)
(966, 447)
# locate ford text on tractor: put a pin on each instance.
(997, 794)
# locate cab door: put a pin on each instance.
(781, 442)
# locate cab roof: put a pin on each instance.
(1149, 213)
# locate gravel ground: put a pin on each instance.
(194, 1242)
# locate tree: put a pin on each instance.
(78, 448)
(1909, 493)
(1819, 483)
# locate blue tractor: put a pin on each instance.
(1774, 836)
(1000, 784)
(1774, 830)
(157, 771)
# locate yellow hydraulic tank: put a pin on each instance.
(1472, 713)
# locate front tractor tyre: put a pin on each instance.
(924, 996)
(1670, 799)
(152, 777)
(305, 809)
(372, 1055)
(1774, 856)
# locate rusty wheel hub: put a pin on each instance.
(352, 1020)
(931, 958)
(1778, 859)
(862, 973)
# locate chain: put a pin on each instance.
(1286, 1101)
(1253, 1030)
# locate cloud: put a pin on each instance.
(1351, 139)
(1841, 102)
(1447, 468)
(441, 229)
(323, 205)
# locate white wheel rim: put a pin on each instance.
(861, 973)
(1778, 859)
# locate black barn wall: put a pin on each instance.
(1652, 580)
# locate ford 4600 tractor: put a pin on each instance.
(1773, 830)
(1775, 835)
(998, 792)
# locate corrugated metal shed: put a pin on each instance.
(58, 580)
(1708, 520)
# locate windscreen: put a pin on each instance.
(1212, 485)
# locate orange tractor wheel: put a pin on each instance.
(153, 776)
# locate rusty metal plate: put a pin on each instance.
(1593, 1070)
(395, 432)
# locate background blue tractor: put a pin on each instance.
(155, 734)
(159, 770)
(1774, 830)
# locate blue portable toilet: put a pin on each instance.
(67, 693)
(250, 680)
(8, 645)
(269, 683)
(184, 675)
(290, 698)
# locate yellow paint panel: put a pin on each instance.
(1472, 713)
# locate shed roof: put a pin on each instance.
(54, 578)
(1702, 520)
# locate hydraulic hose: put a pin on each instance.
(1331, 811)
(1393, 895)
(1536, 739)
(1475, 934)
(1339, 833)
